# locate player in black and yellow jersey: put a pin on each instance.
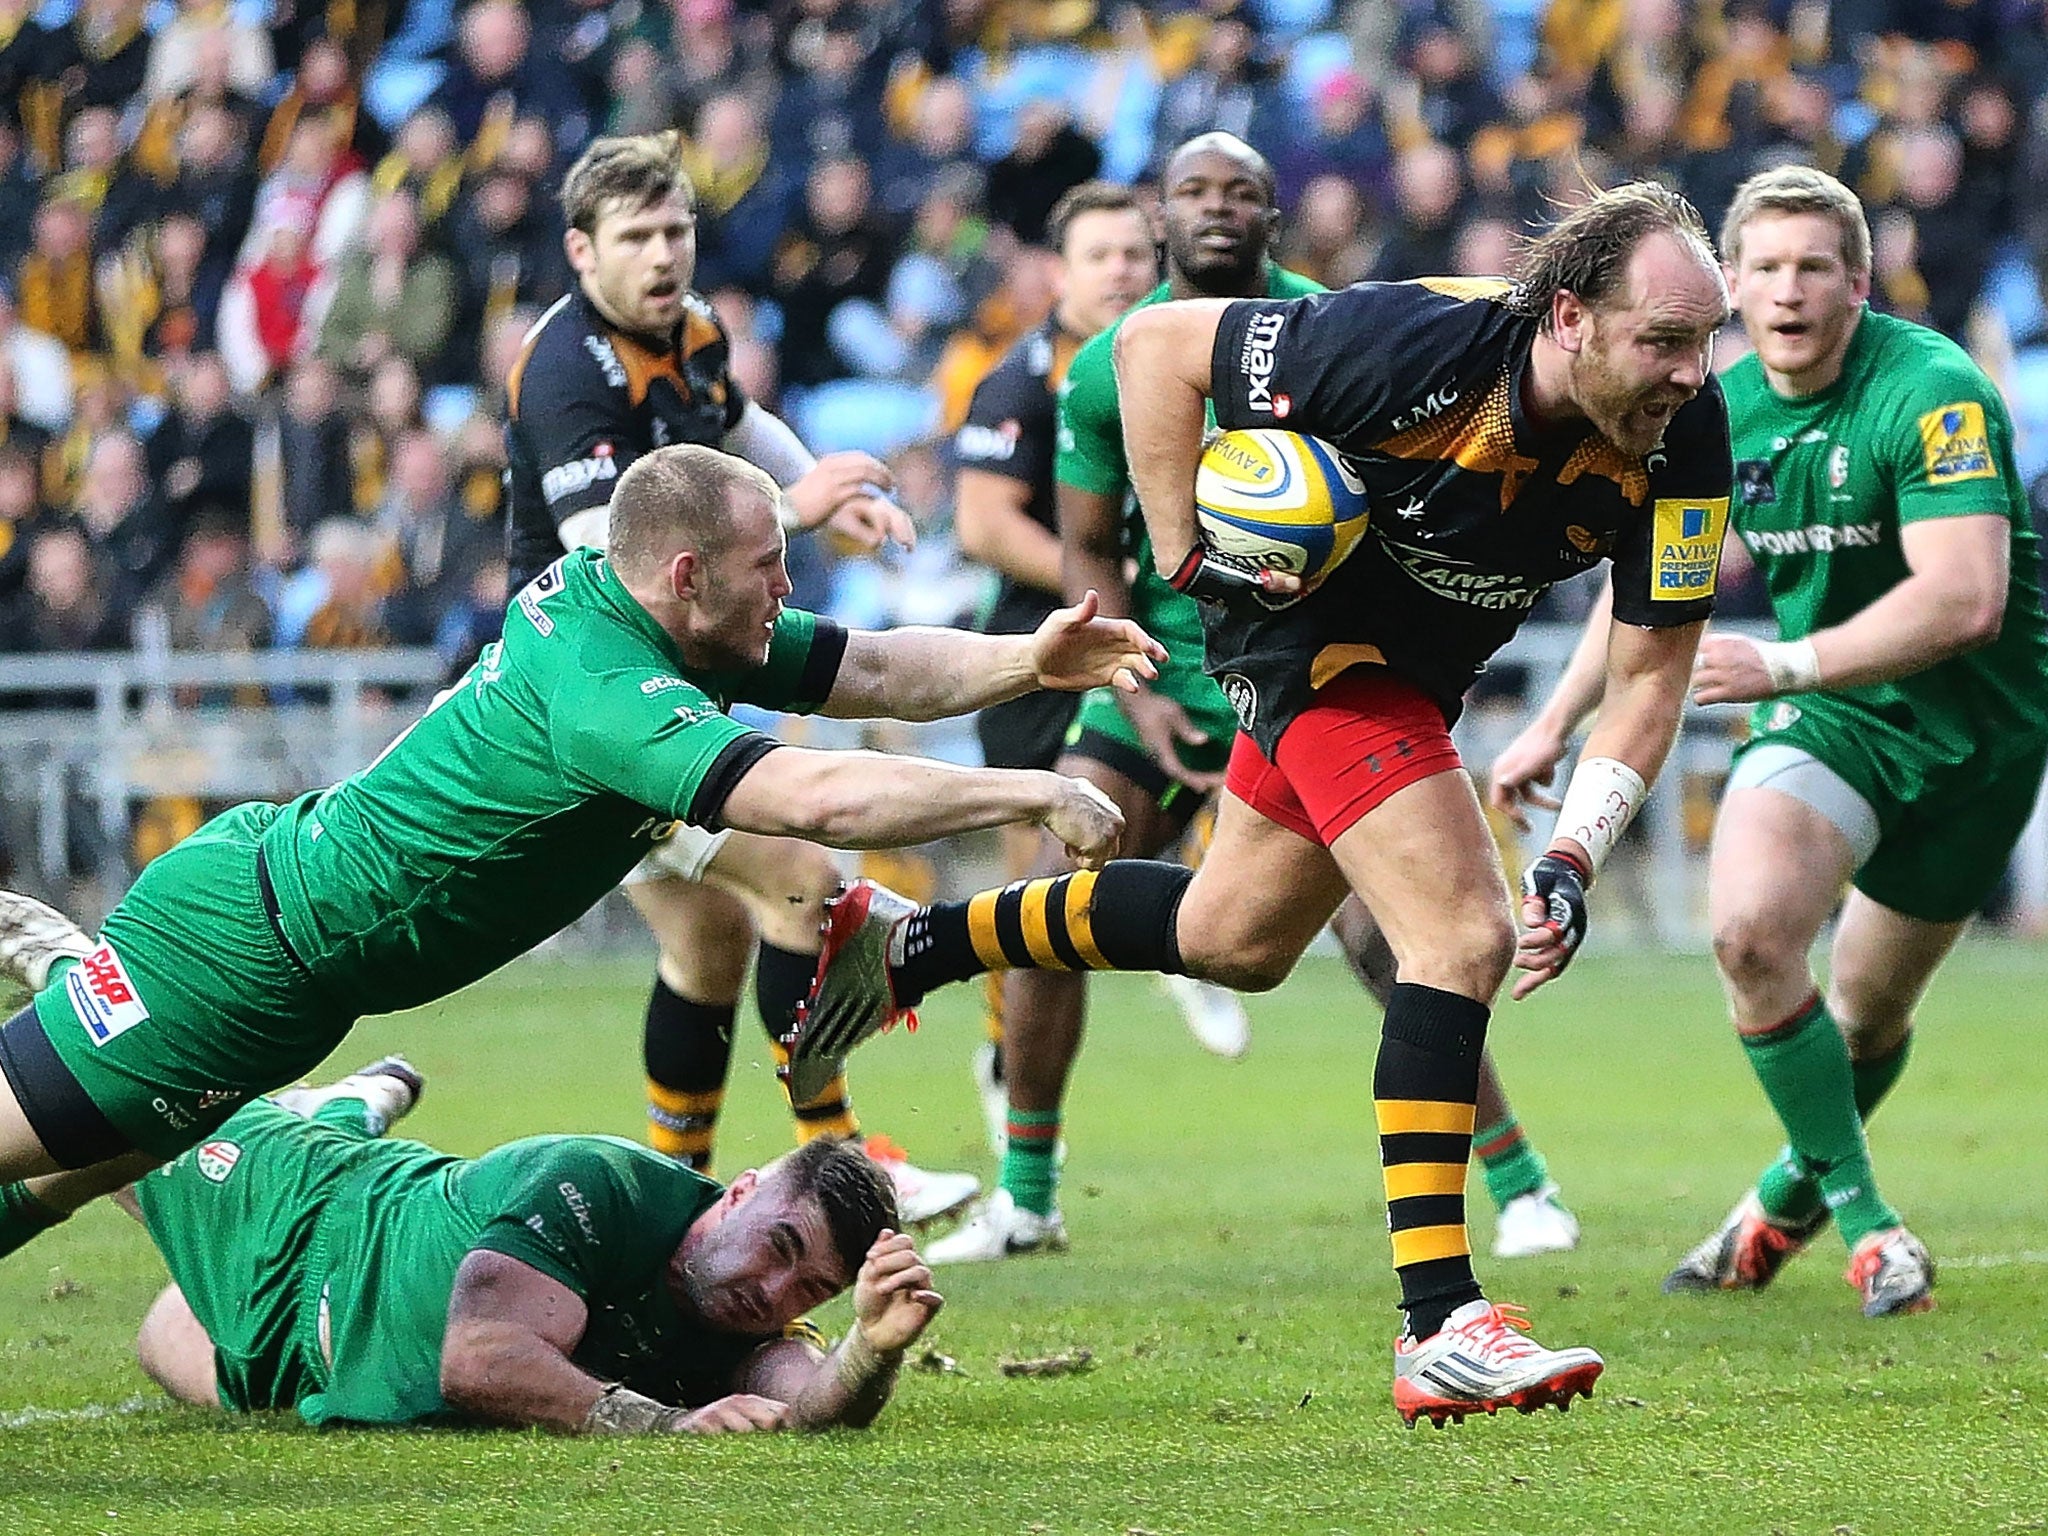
(1510, 436)
(631, 360)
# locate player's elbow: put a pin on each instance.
(1979, 620)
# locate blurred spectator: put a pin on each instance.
(474, 618)
(677, 54)
(336, 602)
(943, 273)
(1486, 246)
(66, 602)
(215, 184)
(210, 601)
(313, 449)
(21, 50)
(175, 300)
(133, 532)
(117, 196)
(1050, 156)
(19, 194)
(1231, 89)
(941, 138)
(175, 50)
(54, 285)
(744, 199)
(203, 455)
(391, 410)
(494, 77)
(1453, 99)
(836, 251)
(264, 310)
(98, 60)
(438, 544)
(21, 510)
(831, 102)
(426, 160)
(1343, 136)
(102, 407)
(509, 244)
(316, 189)
(324, 85)
(390, 297)
(38, 364)
(1428, 182)
(1322, 240)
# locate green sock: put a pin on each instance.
(22, 1216)
(1030, 1166)
(1513, 1166)
(1803, 1065)
(1789, 1197)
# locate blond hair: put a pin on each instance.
(630, 172)
(679, 498)
(1798, 189)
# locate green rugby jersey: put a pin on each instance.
(599, 1214)
(1911, 430)
(526, 791)
(1091, 458)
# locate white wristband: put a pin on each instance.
(1600, 801)
(1792, 664)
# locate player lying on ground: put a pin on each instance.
(1901, 722)
(631, 359)
(1160, 752)
(240, 958)
(577, 1283)
(1579, 403)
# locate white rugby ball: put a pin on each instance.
(1280, 500)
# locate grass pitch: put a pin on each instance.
(1230, 1276)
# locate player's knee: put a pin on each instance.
(1751, 950)
(1248, 964)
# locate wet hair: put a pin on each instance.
(630, 172)
(1798, 189)
(678, 498)
(856, 1195)
(1088, 197)
(1587, 251)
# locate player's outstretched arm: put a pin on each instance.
(1952, 601)
(893, 1302)
(1163, 383)
(1644, 692)
(505, 1360)
(877, 800)
(917, 673)
(1531, 759)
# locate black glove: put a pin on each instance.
(1211, 576)
(1558, 880)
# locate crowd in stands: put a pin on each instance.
(265, 264)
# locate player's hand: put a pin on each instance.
(1553, 919)
(1730, 669)
(1085, 820)
(1211, 576)
(1530, 759)
(740, 1414)
(869, 522)
(1164, 727)
(841, 482)
(893, 1296)
(1077, 648)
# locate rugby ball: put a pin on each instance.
(1280, 500)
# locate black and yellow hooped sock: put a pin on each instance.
(1424, 1086)
(687, 1048)
(1120, 918)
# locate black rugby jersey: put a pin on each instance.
(1475, 509)
(1010, 431)
(585, 400)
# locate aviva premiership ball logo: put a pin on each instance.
(217, 1160)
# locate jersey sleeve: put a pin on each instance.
(571, 1216)
(1666, 561)
(707, 348)
(1949, 438)
(655, 738)
(1005, 431)
(1090, 437)
(573, 423)
(1330, 364)
(803, 663)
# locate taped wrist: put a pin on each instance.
(1793, 665)
(1600, 801)
(621, 1411)
(858, 1362)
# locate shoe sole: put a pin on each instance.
(1921, 1303)
(925, 1220)
(1555, 1392)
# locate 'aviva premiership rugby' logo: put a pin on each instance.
(1686, 545)
(1956, 444)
